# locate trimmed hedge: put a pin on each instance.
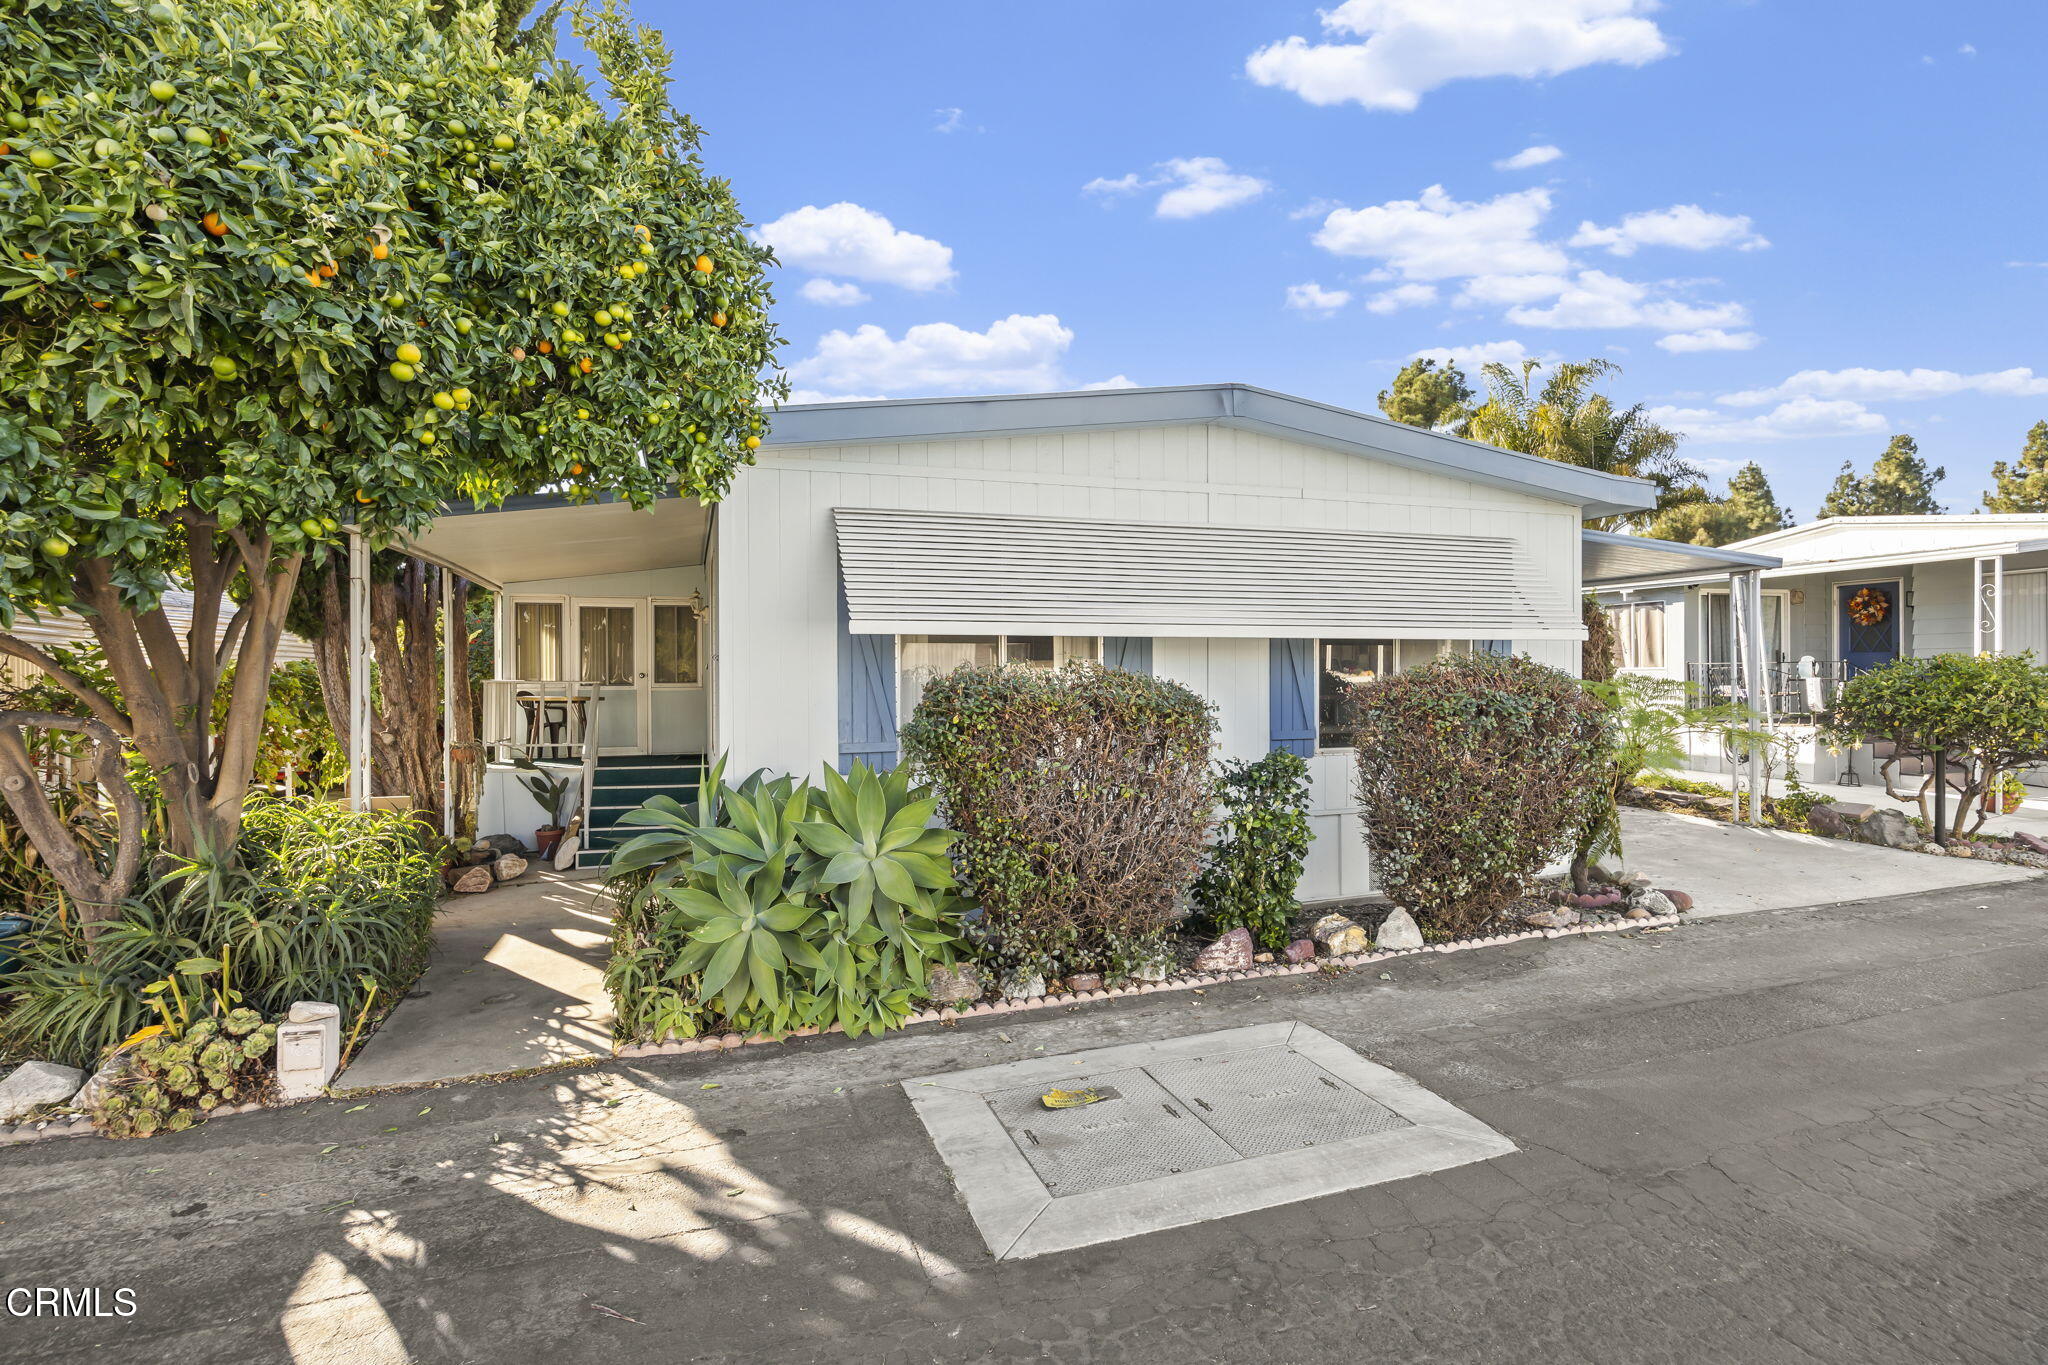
(1081, 796)
(1473, 772)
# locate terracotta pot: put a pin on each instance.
(544, 841)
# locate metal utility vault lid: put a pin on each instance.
(1181, 1131)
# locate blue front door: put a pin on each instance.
(1869, 616)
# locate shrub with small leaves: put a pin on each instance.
(1262, 840)
(1473, 772)
(1081, 796)
(173, 1080)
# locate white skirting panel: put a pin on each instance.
(1339, 865)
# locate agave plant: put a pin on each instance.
(772, 905)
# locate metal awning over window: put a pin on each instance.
(959, 573)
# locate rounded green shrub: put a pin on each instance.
(1262, 839)
(1473, 772)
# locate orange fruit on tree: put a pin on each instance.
(702, 265)
(546, 347)
(718, 319)
(585, 364)
(575, 469)
(325, 270)
(361, 496)
(379, 251)
(212, 223)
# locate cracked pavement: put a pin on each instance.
(1801, 1136)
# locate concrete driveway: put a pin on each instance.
(1729, 869)
(1799, 1137)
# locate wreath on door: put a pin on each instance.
(1869, 607)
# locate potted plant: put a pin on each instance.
(551, 790)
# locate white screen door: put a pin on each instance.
(611, 654)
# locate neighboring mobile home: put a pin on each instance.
(1851, 593)
(1260, 548)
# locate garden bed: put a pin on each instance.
(1802, 815)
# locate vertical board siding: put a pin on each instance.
(1291, 700)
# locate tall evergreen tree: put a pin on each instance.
(2023, 485)
(1424, 395)
(1899, 484)
(1694, 517)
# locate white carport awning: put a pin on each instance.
(1609, 559)
(912, 572)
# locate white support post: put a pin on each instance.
(358, 672)
(1745, 609)
(454, 632)
(1987, 605)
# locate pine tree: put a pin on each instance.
(1428, 397)
(1899, 484)
(1694, 517)
(2022, 486)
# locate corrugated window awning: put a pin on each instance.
(961, 573)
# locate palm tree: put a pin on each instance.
(1567, 422)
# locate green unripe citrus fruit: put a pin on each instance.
(409, 353)
(401, 371)
(162, 91)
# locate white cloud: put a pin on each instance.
(1597, 299)
(1407, 48)
(1017, 354)
(846, 239)
(1708, 339)
(833, 293)
(1313, 298)
(1507, 289)
(1686, 226)
(1799, 419)
(1115, 381)
(1195, 185)
(1474, 357)
(1968, 49)
(1894, 385)
(1437, 237)
(949, 120)
(1529, 157)
(1401, 296)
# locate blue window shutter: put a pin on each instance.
(1131, 653)
(867, 697)
(1292, 696)
(1503, 648)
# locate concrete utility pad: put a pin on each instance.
(1186, 1130)
(1728, 869)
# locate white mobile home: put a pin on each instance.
(1259, 548)
(1848, 593)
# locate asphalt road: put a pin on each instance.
(1794, 1136)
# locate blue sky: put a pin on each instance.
(1799, 228)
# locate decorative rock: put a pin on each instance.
(507, 866)
(93, 1091)
(1653, 901)
(1084, 981)
(1156, 970)
(1634, 879)
(1230, 953)
(1888, 828)
(950, 985)
(473, 881)
(1399, 930)
(499, 844)
(1301, 950)
(1336, 936)
(1680, 901)
(1635, 912)
(2030, 842)
(1551, 919)
(1262, 957)
(1596, 900)
(1961, 851)
(1032, 988)
(34, 1083)
(1933, 849)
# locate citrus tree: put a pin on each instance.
(276, 268)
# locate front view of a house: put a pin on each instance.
(1260, 548)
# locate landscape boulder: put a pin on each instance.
(954, 985)
(1081, 982)
(470, 881)
(1652, 902)
(1025, 988)
(36, 1083)
(1399, 930)
(1301, 950)
(1336, 936)
(1231, 953)
(507, 866)
(1680, 901)
(498, 844)
(2030, 842)
(1550, 919)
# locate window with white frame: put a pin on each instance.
(1340, 664)
(920, 658)
(1638, 634)
(677, 651)
(537, 641)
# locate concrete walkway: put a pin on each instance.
(517, 981)
(1730, 869)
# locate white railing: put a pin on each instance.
(546, 721)
(1798, 691)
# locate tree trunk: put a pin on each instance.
(166, 686)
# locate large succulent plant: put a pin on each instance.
(172, 1080)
